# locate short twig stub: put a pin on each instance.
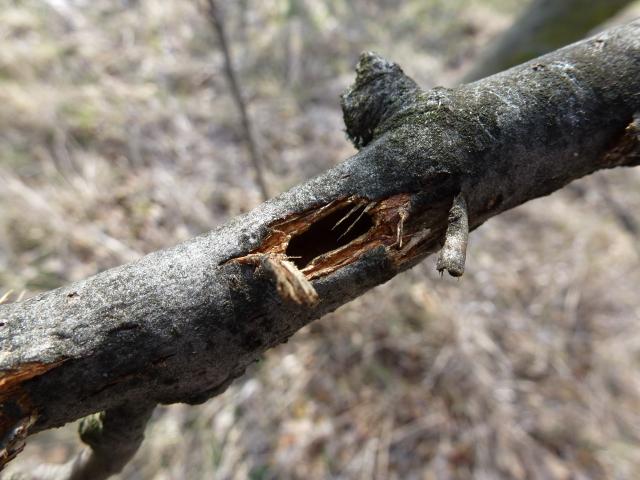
(454, 252)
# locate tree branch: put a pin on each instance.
(180, 324)
(543, 26)
(113, 437)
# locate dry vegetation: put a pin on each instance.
(118, 137)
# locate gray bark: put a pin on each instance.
(180, 324)
(544, 25)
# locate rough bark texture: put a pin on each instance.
(544, 25)
(180, 324)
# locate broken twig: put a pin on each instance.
(454, 252)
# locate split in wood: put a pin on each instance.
(313, 240)
(454, 252)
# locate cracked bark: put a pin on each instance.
(180, 324)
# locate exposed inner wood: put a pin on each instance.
(627, 149)
(12, 378)
(291, 283)
(14, 435)
(17, 414)
(325, 239)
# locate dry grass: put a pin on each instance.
(117, 137)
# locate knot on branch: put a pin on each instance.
(381, 90)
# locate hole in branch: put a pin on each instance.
(329, 233)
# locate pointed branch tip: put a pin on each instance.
(371, 64)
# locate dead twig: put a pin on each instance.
(216, 18)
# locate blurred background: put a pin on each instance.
(121, 133)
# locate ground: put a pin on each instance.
(118, 137)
